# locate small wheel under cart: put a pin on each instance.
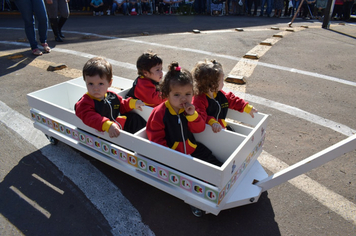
(197, 212)
(52, 140)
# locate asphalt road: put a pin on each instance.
(305, 81)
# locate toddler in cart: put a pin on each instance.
(210, 101)
(173, 122)
(145, 86)
(105, 110)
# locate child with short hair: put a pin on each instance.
(173, 122)
(149, 69)
(101, 108)
(211, 101)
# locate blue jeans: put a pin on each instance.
(27, 8)
(123, 6)
(269, 7)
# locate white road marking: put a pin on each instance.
(320, 193)
(31, 202)
(58, 190)
(123, 218)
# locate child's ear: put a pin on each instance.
(146, 73)
(110, 82)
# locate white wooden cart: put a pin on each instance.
(205, 187)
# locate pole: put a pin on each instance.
(327, 14)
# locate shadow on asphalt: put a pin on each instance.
(70, 213)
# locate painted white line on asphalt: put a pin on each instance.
(118, 211)
(58, 190)
(191, 50)
(320, 193)
(31, 202)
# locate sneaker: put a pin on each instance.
(46, 48)
(97, 13)
(101, 13)
(37, 52)
(108, 12)
(94, 13)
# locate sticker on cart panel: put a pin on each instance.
(113, 152)
(123, 156)
(81, 137)
(198, 189)
(186, 184)
(55, 126)
(173, 178)
(133, 160)
(61, 128)
(68, 131)
(142, 164)
(89, 141)
(105, 147)
(75, 135)
(49, 123)
(211, 195)
(152, 169)
(97, 144)
(163, 174)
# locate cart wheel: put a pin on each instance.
(197, 212)
(52, 140)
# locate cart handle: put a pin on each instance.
(314, 161)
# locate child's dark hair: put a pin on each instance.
(175, 76)
(146, 61)
(98, 66)
(206, 76)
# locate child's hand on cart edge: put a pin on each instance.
(189, 108)
(254, 110)
(139, 105)
(216, 127)
(114, 130)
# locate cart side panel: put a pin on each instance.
(233, 148)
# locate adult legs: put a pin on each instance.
(27, 7)
(263, 7)
(64, 15)
(269, 7)
(52, 10)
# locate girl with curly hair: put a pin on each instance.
(210, 101)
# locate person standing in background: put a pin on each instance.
(29, 9)
(53, 8)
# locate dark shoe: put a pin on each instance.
(58, 39)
